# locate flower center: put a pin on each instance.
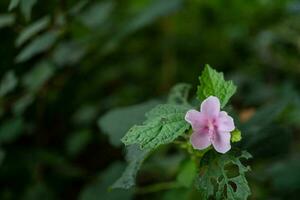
(211, 127)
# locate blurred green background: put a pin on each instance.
(64, 64)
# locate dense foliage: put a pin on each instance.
(77, 75)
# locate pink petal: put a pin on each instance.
(196, 119)
(200, 140)
(221, 142)
(211, 106)
(225, 122)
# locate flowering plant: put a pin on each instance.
(178, 123)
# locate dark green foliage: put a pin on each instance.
(67, 66)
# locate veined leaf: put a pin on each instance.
(163, 125)
(215, 176)
(212, 83)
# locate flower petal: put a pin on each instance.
(211, 106)
(200, 140)
(225, 122)
(221, 142)
(196, 119)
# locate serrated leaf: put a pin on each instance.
(8, 83)
(214, 180)
(32, 30)
(121, 116)
(135, 157)
(212, 83)
(163, 125)
(179, 94)
(39, 45)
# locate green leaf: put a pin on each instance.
(68, 53)
(77, 142)
(8, 83)
(179, 94)
(97, 14)
(13, 4)
(163, 125)
(21, 104)
(32, 30)
(40, 44)
(38, 76)
(187, 174)
(98, 189)
(10, 130)
(215, 179)
(26, 7)
(121, 116)
(212, 83)
(7, 20)
(135, 157)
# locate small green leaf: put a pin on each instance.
(135, 157)
(163, 125)
(8, 83)
(7, 20)
(97, 14)
(236, 135)
(32, 30)
(40, 44)
(38, 76)
(187, 174)
(215, 179)
(26, 7)
(10, 130)
(22, 103)
(212, 83)
(13, 4)
(179, 94)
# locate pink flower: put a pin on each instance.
(210, 126)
